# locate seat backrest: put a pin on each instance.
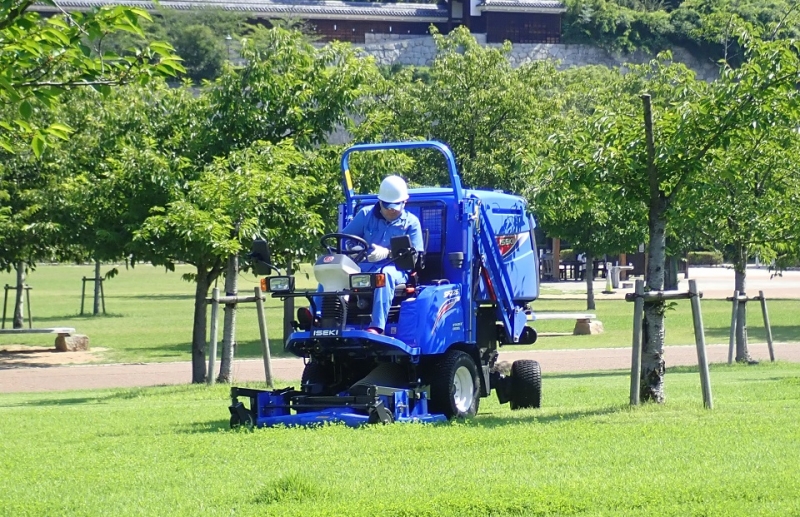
(432, 216)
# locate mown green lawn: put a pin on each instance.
(149, 316)
(168, 451)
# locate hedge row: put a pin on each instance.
(705, 258)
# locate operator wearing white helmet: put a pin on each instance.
(377, 225)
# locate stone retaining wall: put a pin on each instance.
(420, 50)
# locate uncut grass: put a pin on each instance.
(149, 316)
(167, 450)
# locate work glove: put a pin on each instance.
(378, 253)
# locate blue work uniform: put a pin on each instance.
(370, 224)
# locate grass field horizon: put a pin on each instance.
(149, 315)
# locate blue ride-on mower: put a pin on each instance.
(467, 295)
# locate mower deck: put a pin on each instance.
(379, 405)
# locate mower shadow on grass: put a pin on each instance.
(212, 426)
(534, 418)
(585, 375)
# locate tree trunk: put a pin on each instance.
(686, 261)
(652, 375)
(288, 307)
(229, 327)
(199, 327)
(19, 307)
(97, 287)
(740, 268)
(671, 274)
(589, 277)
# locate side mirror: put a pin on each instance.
(405, 257)
(259, 257)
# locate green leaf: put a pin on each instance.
(161, 48)
(38, 144)
(26, 110)
(58, 22)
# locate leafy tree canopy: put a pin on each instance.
(40, 58)
(703, 26)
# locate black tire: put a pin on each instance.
(455, 386)
(317, 373)
(526, 384)
(236, 423)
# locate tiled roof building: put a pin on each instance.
(519, 21)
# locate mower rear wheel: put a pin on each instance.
(526, 384)
(455, 386)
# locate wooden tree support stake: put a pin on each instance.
(639, 297)
(738, 298)
(215, 302)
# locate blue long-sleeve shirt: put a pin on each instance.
(370, 224)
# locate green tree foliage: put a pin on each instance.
(574, 196)
(203, 38)
(25, 228)
(691, 123)
(615, 26)
(40, 58)
(251, 158)
(103, 196)
(473, 100)
(704, 26)
(748, 200)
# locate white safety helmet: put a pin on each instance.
(393, 190)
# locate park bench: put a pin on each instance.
(66, 340)
(585, 323)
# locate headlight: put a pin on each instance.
(280, 284)
(362, 281)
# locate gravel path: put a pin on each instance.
(74, 377)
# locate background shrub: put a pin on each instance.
(705, 258)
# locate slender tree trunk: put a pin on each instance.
(653, 367)
(686, 261)
(199, 327)
(740, 269)
(19, 306)
(671, 274)
(652, 375)
(229, 328)
(589, 277)
(97, 287)
(288, 307)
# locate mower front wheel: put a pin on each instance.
(317, 378)
(237, 422)
(455, 386)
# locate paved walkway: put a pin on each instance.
(59, 378)
(714, 282)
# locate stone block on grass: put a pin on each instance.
(588, 327)
(72, 342)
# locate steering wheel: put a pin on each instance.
(357, 252)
